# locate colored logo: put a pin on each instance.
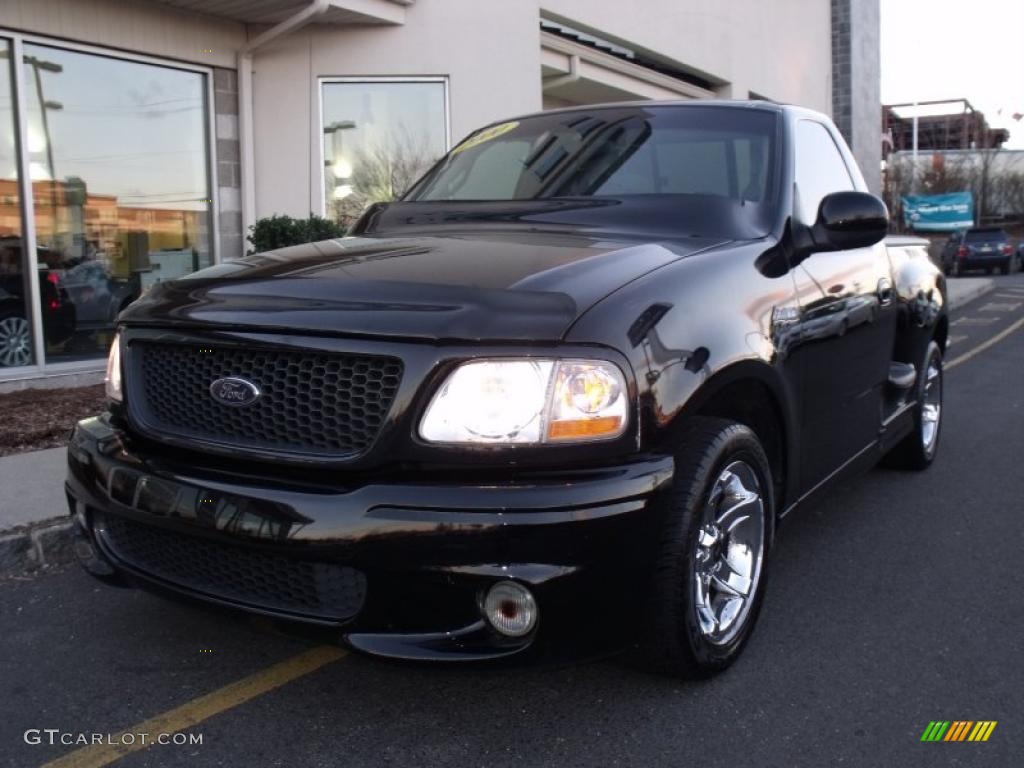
(234, 391)
(958, 730)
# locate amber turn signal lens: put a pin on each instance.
(569, 430)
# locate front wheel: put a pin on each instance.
(710, 572)
(918, 449)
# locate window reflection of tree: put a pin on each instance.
(382, 172)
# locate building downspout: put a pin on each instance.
(245, 104)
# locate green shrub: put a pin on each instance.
(274, 232)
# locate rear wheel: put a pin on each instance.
(709, 578)
(918, 449)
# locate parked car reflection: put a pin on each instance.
(821, 320)
(59, 316)
(98, 295)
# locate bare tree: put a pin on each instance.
(953, 174)
(1008, 195)
(382, 173)
(973, 172)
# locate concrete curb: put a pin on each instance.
(34, 521)
(37, 547)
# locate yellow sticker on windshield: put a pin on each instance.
(485, 135)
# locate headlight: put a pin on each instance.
(528, 402)
(113, 378)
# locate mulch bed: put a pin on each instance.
(34, 419)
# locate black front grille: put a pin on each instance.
(314, 403)
(258, 579)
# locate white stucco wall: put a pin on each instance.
(145, 28)
(779, 50)
(489, 51)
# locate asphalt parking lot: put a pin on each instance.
(894, 603)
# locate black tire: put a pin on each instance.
(988, 270)
(1005, 269)
(672, 642)
(913, 452)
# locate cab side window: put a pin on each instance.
(820, 169)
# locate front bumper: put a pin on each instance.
(392, 568)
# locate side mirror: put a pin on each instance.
(850, 220)
(846, 220)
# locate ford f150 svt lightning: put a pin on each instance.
(554, 400)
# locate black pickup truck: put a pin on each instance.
(555, 400)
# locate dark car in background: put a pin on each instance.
(554, 401)
(986, 248)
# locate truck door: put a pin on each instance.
(847, 322)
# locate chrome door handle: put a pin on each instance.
(884, 291)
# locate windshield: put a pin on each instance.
(717, 160)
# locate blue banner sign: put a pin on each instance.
(939, 213)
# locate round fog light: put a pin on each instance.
(510, 608)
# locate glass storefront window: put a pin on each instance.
(15, 323)
(379, 137)
(118, 160)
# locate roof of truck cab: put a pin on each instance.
(770, 106)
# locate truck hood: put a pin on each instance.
(515, 286)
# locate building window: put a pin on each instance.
(118, 155)
(16, 348)
(379, 136)
(105, 190)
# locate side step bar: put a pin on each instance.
(902, 375)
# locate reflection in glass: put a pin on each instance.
(15, 323)
(118, 161)
(612, 153)
(378, 139)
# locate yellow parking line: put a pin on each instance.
(199, 709)
(985, 345)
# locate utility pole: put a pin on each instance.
(38, 64)
(913, 156)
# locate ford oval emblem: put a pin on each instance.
(234, 391)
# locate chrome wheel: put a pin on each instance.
(931, 404)
(729, 549)
(15, 342)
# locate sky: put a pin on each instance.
(946, 49)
